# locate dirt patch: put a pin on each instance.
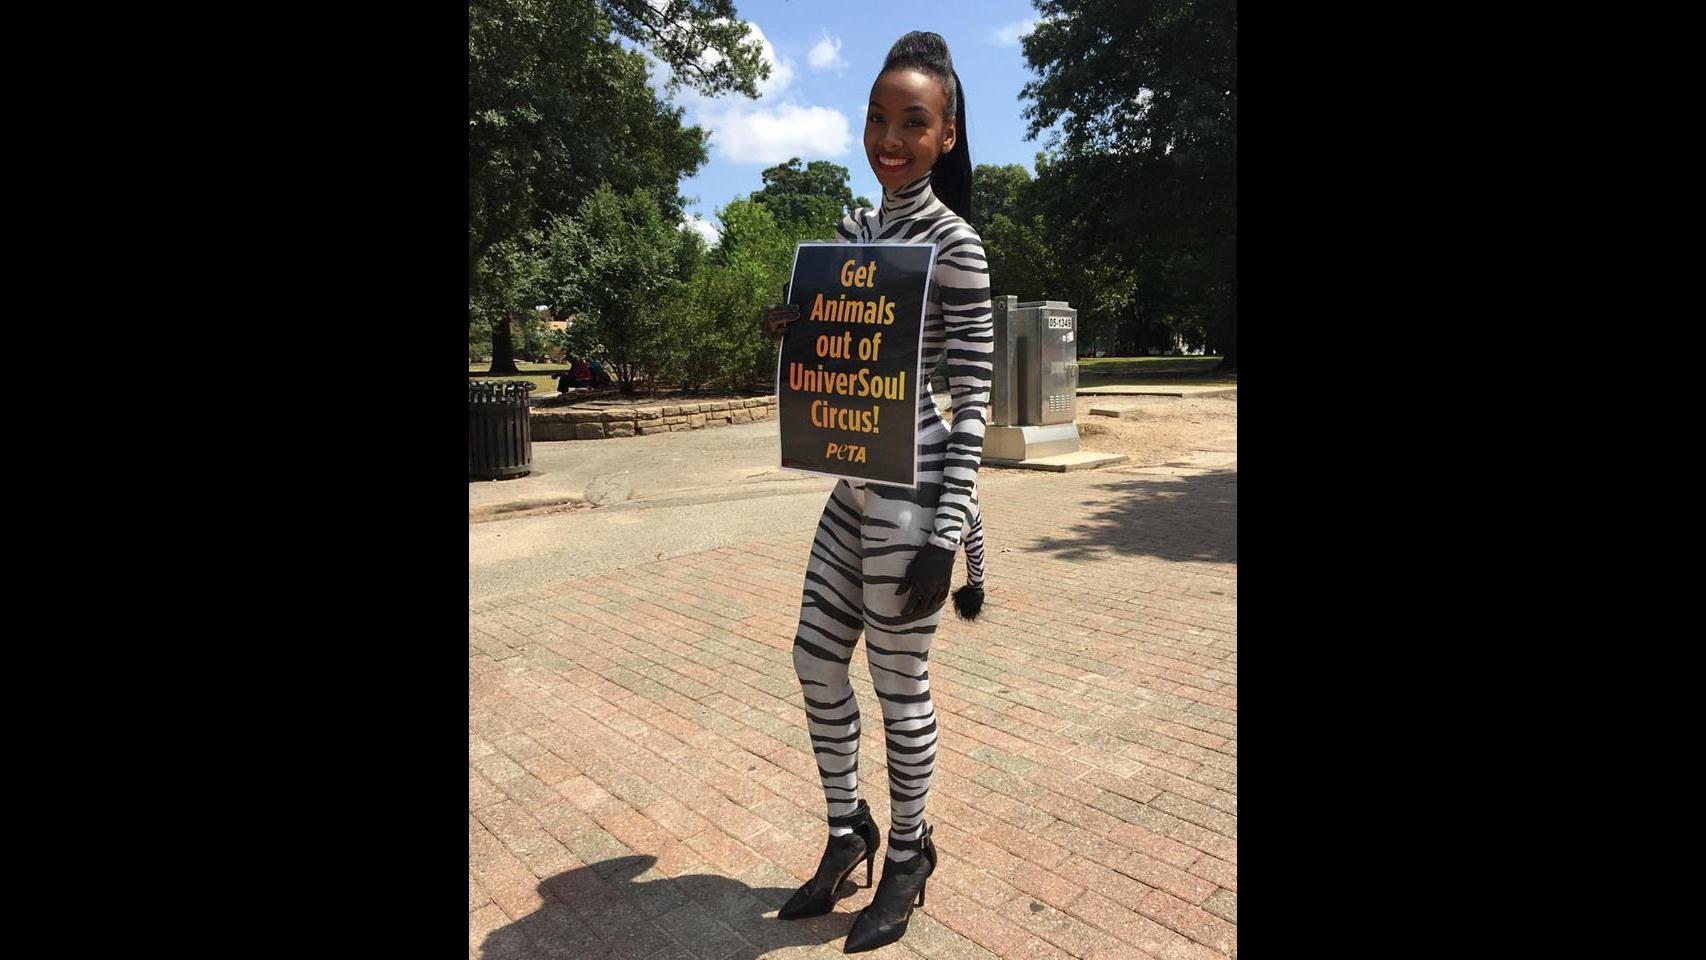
(528, 508)
(1160, 429)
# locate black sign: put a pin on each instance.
(847, 379)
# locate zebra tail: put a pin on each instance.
(968, 601)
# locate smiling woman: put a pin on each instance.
(882, 559)
(917, 116)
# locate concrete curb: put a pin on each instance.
(1062, 462)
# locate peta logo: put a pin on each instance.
(845, 452)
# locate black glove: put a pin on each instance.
(927, 579)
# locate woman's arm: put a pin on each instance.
(962, 278)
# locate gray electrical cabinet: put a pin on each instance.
(1036, 380)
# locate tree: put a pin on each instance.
(501, 295)
(752, 263)
(812, 199)
(556, 106)
(1021, 262)
(612, 263)
(1146, 95)
(996, 191)
(690, 254)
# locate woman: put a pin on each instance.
(883, 556)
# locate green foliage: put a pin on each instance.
(711, 321)
(1021, 260)
(704, 42)
(1145, 175)
(810, 199)
(1037, 250)
(500, 294)
(580, 340)
(556, 106)
(689, 254)
(612, 263)
(997, 191)
(534, 334)
(646, 297)
(738, 279)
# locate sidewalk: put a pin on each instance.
(641, 784)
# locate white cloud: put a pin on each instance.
(827, 54)
(772, 128)
(701, 226)
(1008, 36)
(749, 133)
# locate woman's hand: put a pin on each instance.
(927, 579)
(777, 317)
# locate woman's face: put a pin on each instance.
(906, 125)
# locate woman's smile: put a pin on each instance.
(908, 112)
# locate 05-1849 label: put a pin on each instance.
(1060, 323)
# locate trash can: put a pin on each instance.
(500, 436)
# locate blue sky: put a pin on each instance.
(824, 57)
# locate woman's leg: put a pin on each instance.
(898, 651)
(831, 616)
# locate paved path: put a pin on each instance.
(641, 785)
(593, 505)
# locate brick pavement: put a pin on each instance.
(641, 786)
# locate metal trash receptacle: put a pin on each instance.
(500, 435)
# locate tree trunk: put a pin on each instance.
(503, 352)
(1230, 336)
(1230, 362)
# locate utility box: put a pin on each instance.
(1032, 399)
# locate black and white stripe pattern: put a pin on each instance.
(958, 321)
(869, 533)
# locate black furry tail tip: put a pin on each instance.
(968, 600)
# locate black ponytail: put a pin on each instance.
(951, 176)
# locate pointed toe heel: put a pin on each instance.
(900, 891)
(841, 857)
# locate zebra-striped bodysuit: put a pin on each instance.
(869, 533)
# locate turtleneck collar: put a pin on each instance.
(909, 199)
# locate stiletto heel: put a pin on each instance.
(841, 856)
(920, 895)
(873, 840)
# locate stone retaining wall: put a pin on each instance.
(596, 424)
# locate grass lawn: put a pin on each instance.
(543, 375)
(1182, 371)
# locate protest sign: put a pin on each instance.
(847, 377)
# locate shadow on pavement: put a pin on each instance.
(1188, 517)
(608, 910)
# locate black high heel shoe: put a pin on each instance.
(818, 895)
(902, 888)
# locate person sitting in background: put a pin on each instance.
(579, 376)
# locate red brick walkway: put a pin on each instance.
(641, 786)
